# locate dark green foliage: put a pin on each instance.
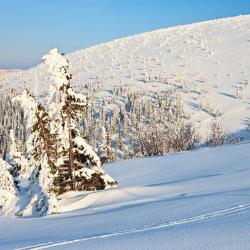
(94, 183)
(45, 141)
(62, 180)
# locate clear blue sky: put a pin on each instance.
(29, 28)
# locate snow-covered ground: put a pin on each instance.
(189, 200)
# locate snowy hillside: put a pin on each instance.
(208, 63)
(189, 200)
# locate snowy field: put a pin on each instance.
(189, 200)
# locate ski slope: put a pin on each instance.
(189, 200)
(208, 63)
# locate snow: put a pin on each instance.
(189, 200)
(210, 58)
(55, 65)
(55, 62)
(86, 149)
(8, 192)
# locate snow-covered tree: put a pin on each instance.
(8, 189)
(44, 140)
(45, 154)
(78, 166)
(20, 168)
(217, 136)
(36, 178)
(104, 147)
(87, 172)
(11, 117)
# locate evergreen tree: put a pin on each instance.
(78, 166)
(45, 148)
(19, 164)
(37, 178)
(7, 186)
(104, 147)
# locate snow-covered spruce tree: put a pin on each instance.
(11, 116)
(20, 169)
(104, 148)
(45, 145)
(8, 190)
(78, 166)
(37, 178)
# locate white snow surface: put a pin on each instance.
(210, 57)
(189, 200)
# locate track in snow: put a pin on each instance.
(204, 217)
